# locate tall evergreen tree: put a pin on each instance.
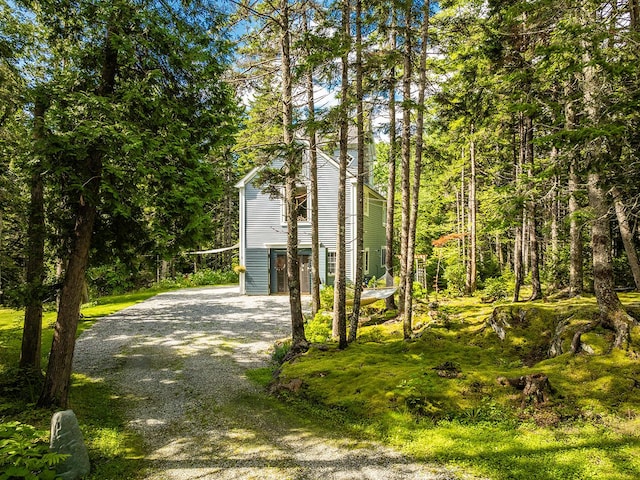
(140, 98)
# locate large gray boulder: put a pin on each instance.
(66, 438)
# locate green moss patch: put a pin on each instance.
(398, 391)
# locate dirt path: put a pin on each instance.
(180, 358)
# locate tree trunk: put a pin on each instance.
(359, 243)
(35, 274)
(463, 224)
(472, 265)
(313, 173)
(58, 378)
(576, 270)
(57, 381)
(555, 214)
(536, 287)
(292, 169)
(612, 313)
(390, 303)
(534, 254)
(340, 294)
(405, 181)
(417, 172)
(518, 243)
(627, 236)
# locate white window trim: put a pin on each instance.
(329, 273)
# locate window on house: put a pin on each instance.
(383, 256)
(365, 261)
(301, 205)
(331, 263)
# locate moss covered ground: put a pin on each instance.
(437, 396)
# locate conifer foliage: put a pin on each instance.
(126, 106)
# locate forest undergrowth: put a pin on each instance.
(447, 395)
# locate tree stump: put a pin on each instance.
(535, 387)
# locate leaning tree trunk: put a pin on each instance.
(627, 236)
(58, 378)
(32, 331)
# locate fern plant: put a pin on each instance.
(23, 453)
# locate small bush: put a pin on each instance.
(280, 350)
(455, 275)
(211, 277)
(419, 291)
(17, 384)
(495, 289)
(318, 329)
(24, 453)
(373, 334)
(167, 284)
(326, 298)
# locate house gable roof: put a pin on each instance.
(251, 175)
(321, 155)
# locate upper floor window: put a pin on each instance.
(301, 205)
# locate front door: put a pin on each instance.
(282, 283)
(279, 280)
(305, 274)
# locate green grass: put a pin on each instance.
(114, 452)
(386, 388)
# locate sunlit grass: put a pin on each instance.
(115, 452)
(386, 388)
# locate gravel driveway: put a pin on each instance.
(179, 361)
